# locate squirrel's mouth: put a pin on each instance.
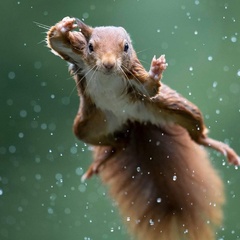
(109, 71)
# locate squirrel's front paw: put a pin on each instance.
(61, 30)
(67, 24)
(157, 67)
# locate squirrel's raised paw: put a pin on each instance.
(157, 67)
(67, 24)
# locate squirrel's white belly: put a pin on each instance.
(109, 94)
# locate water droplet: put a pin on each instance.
(38, 177)
(23, 113)
(11, 75)
(37, 65)
(197, 2)
(53, 197)
(174, 178)
(210, 58)
(12, 149)
(50, 210)
(20, 209)
(233, 39)
(37, 108)
(215, 84)
(9, 102)
(151, 222)
(79, 171)
(58, 176)
(73, 150)
(82, 187)
(21, 135)
(85, 15)
(37, 159)
(67, 210)
(43, 126)
(159, 200)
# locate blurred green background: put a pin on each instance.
(41, 161)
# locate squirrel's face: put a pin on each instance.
(109, 50)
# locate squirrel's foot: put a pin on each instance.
(103, 154)
(157, 67)
(93, 169)
(231, 155)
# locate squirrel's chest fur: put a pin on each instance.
(109, 93)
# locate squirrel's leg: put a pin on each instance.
(231, 155)
(149, 80)
(188, 115)
(90, 125)
(154, 75)
(91, 128)
(101, 156)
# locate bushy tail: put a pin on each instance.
(164, 185)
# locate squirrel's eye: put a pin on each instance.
(90, 47)
(126, 47)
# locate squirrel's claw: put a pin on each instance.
(223, 148)
(89, 173)
(67, 24)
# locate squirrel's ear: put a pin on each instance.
(84, 29)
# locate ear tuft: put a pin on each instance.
(84, 29)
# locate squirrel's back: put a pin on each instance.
(164, 184)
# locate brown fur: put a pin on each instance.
(161, 178)
(140, 177)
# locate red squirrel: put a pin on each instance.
(146, 137)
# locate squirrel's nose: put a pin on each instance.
(108, 65)
(108, 62)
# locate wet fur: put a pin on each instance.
(141, 175)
